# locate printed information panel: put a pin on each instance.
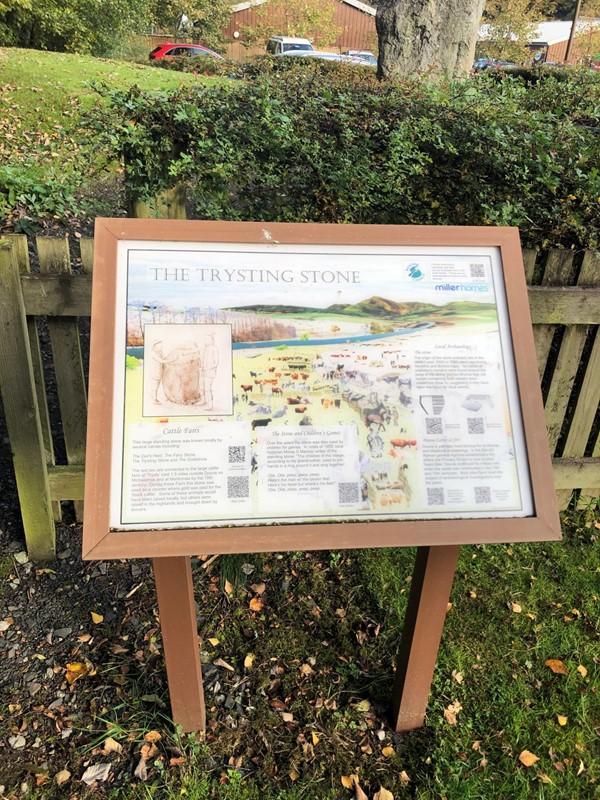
(259, 384)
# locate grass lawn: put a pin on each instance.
(48, 166)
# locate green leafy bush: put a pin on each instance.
(327, 143)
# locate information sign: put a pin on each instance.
(261, 387)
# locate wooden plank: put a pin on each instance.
(86, 248)
(20, 245)
(169, 204)
(562, 381)
(64, 335)
(17, 383)
(590, 269)
(177, 611)
(587, 405)
(529, 258)
(568, 305)
(67, 482)
(58, 295)
(558, 271)
(571, 473)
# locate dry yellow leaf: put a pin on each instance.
(363, 705)
(213, 641)
(152, 736)
(315, 738)
(562, 720)
(79, 669)
(528, 759)
(112, 746)
(388, 751)
(96, 618)
(228, 588)
(293, 775)
(543, 777)
(256, 604)
(348, 781)
(286, 716)
(448, 607)
(62, 777)
(556, 666)
(306, 670)
(383, 794)
(581, 768)
(582, 670)
(358, 792)
(458, 676)
(248, 661)
(451, 712)
(404, 778)
(516, 608)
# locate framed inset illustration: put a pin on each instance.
(263, 387)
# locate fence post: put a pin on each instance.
(17, 383)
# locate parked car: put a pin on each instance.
(278, 45)
(483, 64)
(172, 50)
(325, 56)
(364, 55)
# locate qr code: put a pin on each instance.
(477, 270)
(237, 455)
(483, 494)
(435, 496)
(348, 492)
(475, 425)
(433, 425)
(238, 486)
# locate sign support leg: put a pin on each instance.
(175, 591)
(427, 606)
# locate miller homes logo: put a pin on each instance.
(415, 272)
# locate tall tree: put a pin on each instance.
(437, 36)
(510, 25)
(311, 19)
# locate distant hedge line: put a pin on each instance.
(329, 143)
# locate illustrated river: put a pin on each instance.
(138, 352)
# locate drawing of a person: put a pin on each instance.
(210, 363)
(157, 368)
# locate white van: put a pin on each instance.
(277, 45)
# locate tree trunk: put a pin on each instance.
(436, 36)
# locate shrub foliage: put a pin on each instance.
(329, 143)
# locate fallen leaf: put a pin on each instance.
(581, 768)
(248, 661)
(152, 736)
(79, 669)
(388, 751)
(306, 670)
(451, 711)
(258, 588)
(96, 772)
(476, 745)
(558, 765)
(17, 742)
(148, 751)
(363, 705)
(96, 618)
(448, 607)
(112, 746)
(582, 670)
(213, 641)
(383, 794)
(358, 792)
(562, 720)
(228, 588)
(315, 738)
(348, 781)
(175, 762)
(543, 777)
(286, 716)
(458, 676)
(516, 608)
(528, 759)
(404, 778)
(62, 777)
(218, 662)
(472, 595)
(293, 775)
(557, 667)
(141, 771)
(256, 604)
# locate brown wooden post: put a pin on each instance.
(175, 591)
(17, 382)
(427, 606)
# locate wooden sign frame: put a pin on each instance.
(438, 540)
(101, 542)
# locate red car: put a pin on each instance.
(172, 49)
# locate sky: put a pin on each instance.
(317, 276)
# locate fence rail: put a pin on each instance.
(48, 439)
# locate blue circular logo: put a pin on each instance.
(414, 272)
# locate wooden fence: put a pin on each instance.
(54, 300)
